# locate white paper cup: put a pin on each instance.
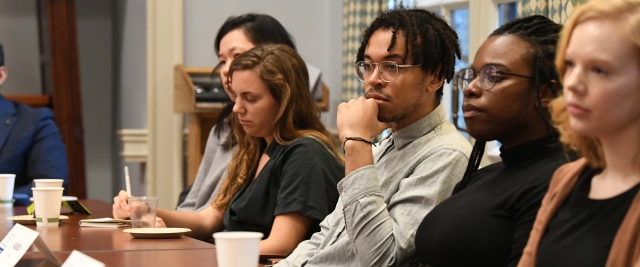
(6, 189)
(47, 201)
(47, 182)
(237, 249)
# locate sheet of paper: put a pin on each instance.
(106, 220)
(105, 223)
(16, 243)
(79, 259)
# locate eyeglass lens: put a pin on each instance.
(387, 70)
(488, 77)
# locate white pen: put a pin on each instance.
(127, 180)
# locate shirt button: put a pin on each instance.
(7, 122)
(343, 193)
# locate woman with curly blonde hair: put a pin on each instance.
(591, 214)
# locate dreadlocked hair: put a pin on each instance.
(542, 35)
(434, 44)
(474, 163)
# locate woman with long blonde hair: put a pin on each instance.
(282, 179)
(591, 214)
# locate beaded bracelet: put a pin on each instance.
(356, 139)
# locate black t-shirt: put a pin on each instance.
(582, 231)
(300, 177)
(488, 222)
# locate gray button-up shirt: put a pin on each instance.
(381, 205)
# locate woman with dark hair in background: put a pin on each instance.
(282, 179)
(487, 220)
(236, 35)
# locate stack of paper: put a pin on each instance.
(105, 223)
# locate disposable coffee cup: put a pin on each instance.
(47, 182)
(238, 249)
(47, 202)
(6, 189)
(143, 211)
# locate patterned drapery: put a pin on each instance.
(356, 17)
(557, 10)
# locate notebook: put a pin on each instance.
(105, 223)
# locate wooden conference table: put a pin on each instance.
(111, 246)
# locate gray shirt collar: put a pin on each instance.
(418, 128)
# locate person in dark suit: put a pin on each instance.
(30, 144)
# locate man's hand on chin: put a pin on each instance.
(359, 118)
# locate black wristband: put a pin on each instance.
(356, 139)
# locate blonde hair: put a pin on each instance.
(627, 12)
(285, 74)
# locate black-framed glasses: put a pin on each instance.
(489, 76)
(388, 70)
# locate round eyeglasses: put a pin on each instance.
(387, 70)
(489, 76)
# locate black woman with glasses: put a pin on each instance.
(487, 220)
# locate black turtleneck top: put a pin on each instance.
(488, 222)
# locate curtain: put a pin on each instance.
(557, 10)
(356, 17)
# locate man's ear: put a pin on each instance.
(3, 74)
(546, 94)
(435, 81)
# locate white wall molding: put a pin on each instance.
(134, 145)
(165, 37)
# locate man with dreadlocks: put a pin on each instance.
(506, 92)
(404, 59)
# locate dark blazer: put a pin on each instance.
(30, 145)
